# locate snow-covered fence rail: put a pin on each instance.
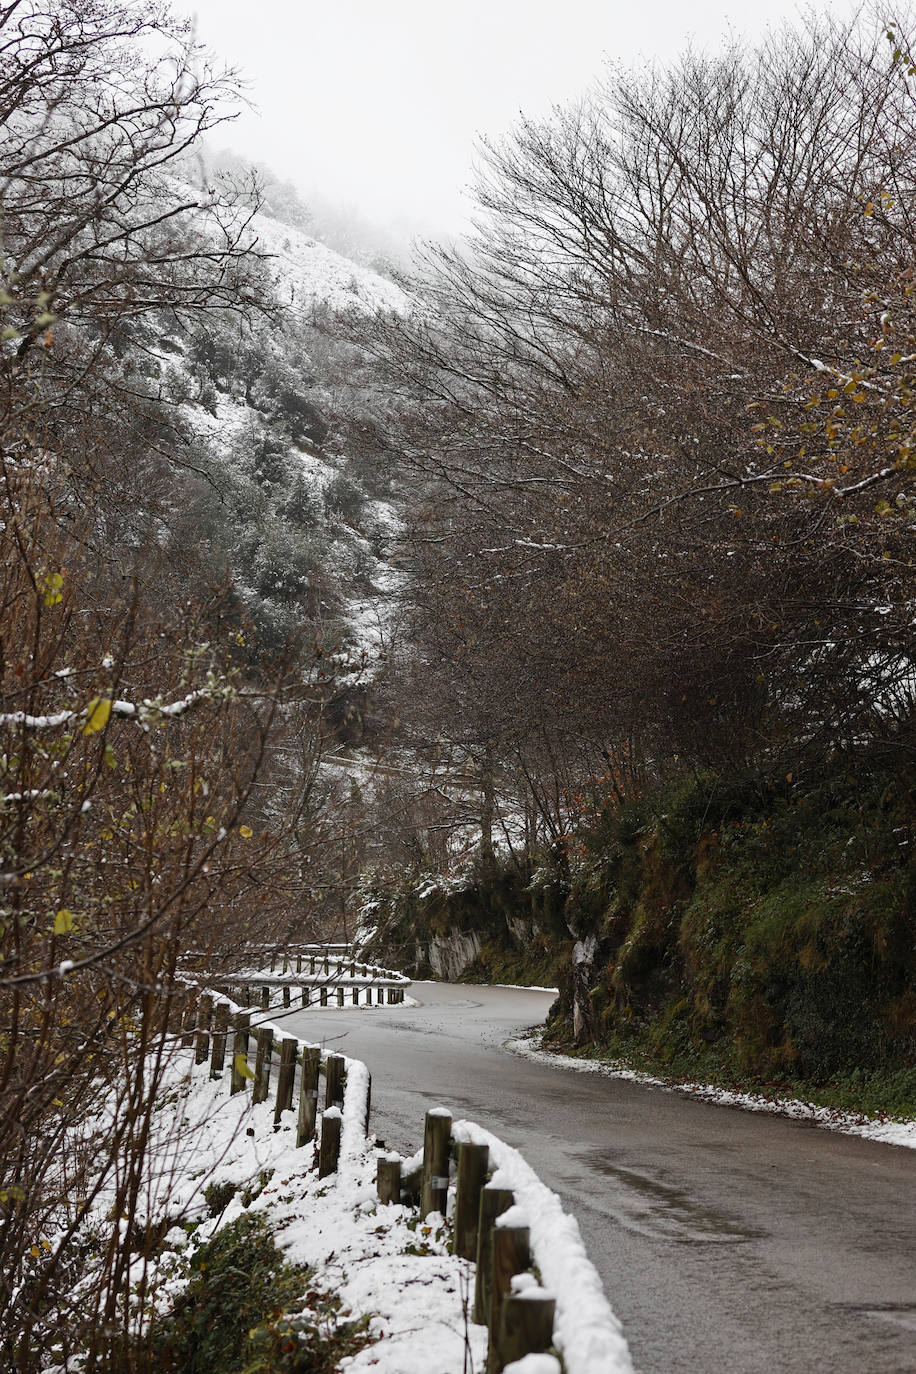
(313, 981)
(535, 1289)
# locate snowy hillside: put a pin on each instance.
(308, 273)
(307, 532)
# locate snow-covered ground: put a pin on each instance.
(309, 273)
(384, 1263)
(379, 1260)
(888, 1131)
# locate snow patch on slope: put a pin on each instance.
(311, 274)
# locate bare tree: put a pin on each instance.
(660, 406)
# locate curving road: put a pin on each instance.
(729, 1243)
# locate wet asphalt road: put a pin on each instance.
(728, 1243)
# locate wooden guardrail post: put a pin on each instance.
(204, 1017)
(388, 1178)
(340, 997)
(329, 1146)
(354, 996)
(220, 1035)
(262, 1064)
(188, 1022)
(473, 1161)
(176, 1010)
(308, 1094)
(436, 1134)
(333, 1080)
(525, 1326)
(286, 1077)
(306, 994)
(493, 1202)
(265, 995)
(323, 996)
(286, 995)
(511, 1255)
(242, 1022)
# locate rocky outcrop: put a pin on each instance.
(448, 956)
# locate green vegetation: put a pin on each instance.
(749, 930)
(246, 1310)
(772, 920)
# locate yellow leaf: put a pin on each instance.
(52, 588)
(63, 921)
(870, 208)
(246, 832)
(97, 714)
(241, 1066)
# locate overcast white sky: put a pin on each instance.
(379, 102)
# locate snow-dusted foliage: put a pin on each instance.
(273, 500)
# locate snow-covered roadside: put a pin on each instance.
(381, 1261)
(587, 1333)
(887, 1131)
(525, 987)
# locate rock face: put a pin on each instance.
(448, 956)
(583, 956)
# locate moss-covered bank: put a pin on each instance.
(774, 922)
(757, 930)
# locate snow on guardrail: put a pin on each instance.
(586, 1332)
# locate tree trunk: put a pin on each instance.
(488, 805)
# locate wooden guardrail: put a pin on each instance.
(314, 973)
(490, 1227)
